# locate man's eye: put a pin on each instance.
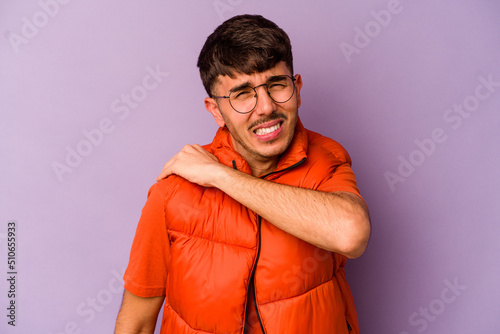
(241, 94)
(277, 85)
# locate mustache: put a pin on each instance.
(266, 119)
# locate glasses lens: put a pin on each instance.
(243, 100)
(280, 89)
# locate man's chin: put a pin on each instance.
(272, 149)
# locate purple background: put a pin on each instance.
(67, 75)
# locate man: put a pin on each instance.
(249, 234)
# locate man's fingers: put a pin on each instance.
(165, 171)
(162, 174)
(188, 163)
(198, 148)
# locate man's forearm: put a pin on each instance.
(337, 222)
(126, 325)
(138, 314)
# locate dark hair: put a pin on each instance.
(243, 44)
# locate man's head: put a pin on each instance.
(251, 54)
(243, 44)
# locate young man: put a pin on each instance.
(249, 234)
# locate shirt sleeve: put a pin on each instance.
(341, 177)
(146, 274)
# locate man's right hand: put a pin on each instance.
(195, 164)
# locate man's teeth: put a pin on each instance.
(265, 131)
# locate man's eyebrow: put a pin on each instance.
(274, 78)
(245, 84)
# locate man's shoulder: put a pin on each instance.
(319, 144)
(172, 183)
(167, 187)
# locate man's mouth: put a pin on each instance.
(265, 131)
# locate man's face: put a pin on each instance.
(266, 132)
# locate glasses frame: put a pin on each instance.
(257, 96)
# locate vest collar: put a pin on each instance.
(222, 148)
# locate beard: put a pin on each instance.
(253, 152)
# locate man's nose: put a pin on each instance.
(265, 105)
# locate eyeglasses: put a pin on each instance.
(244, 99)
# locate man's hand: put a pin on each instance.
(195, 164)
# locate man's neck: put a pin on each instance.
(262, 168)
(260, 165)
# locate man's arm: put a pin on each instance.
(138, 315)
(337, 222)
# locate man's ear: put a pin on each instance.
(212, 106)
(298, 87)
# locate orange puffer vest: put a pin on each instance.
(218, 247)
